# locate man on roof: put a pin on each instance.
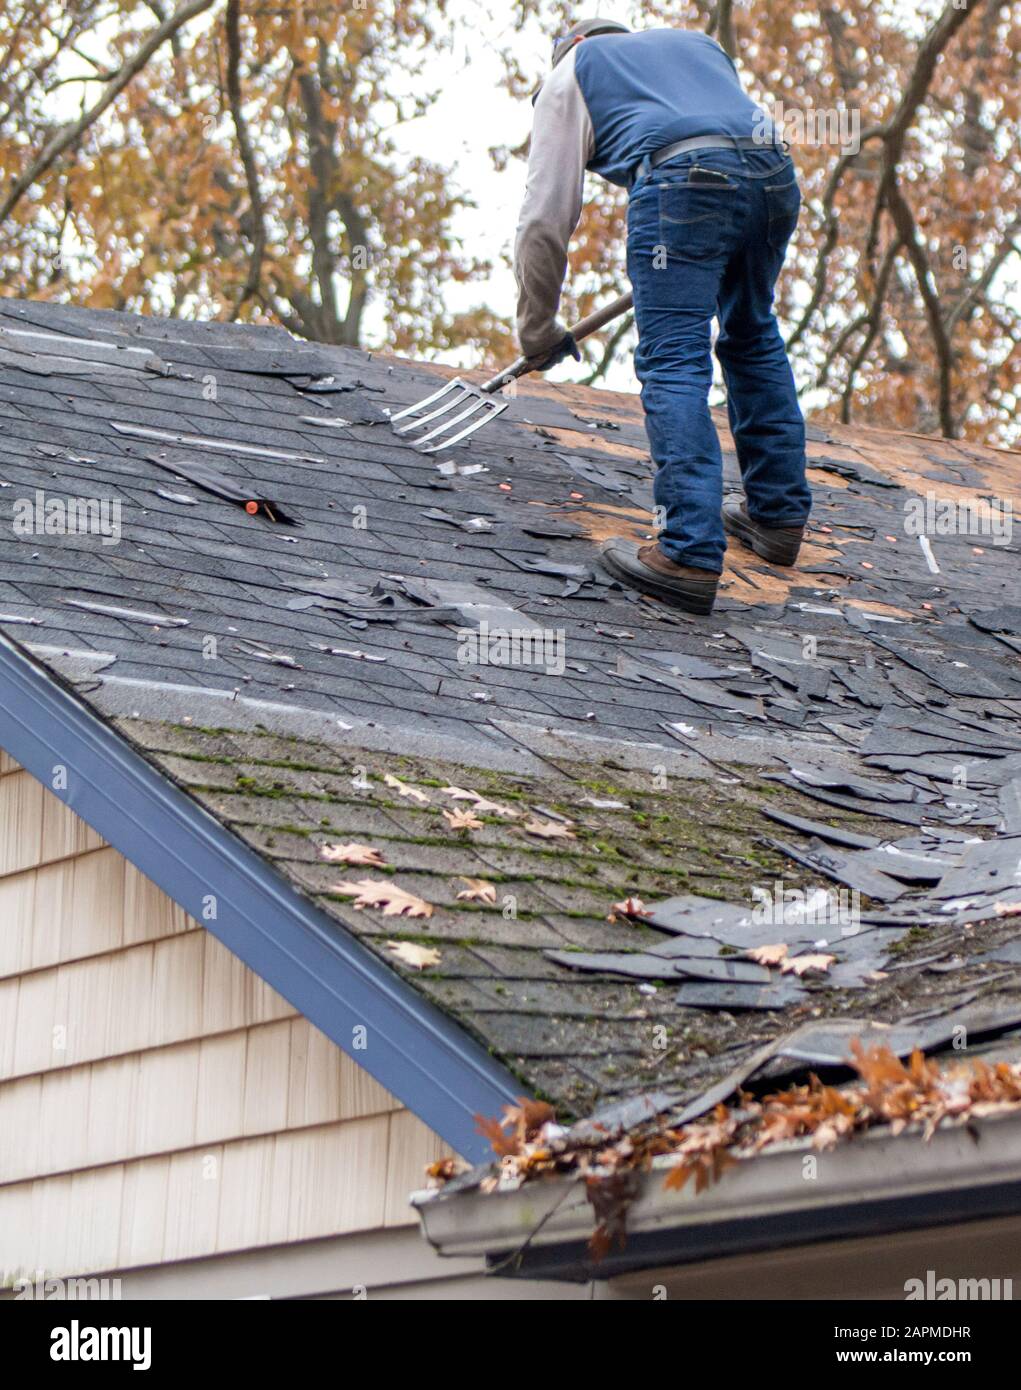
(713, 205)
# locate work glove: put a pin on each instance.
(543, 361)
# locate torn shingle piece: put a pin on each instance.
(1006, 618)
(346, 651)
(261, 652)
(592, 472)
(909, 865)
(953, 725)
(870, 687)
(204, 441)
(693, 667)
(245, 495)
(986, 866)
(551, 530)
(687, 946)
(1010, 806)
(296, 360)
(620, 1116)
(630, 963)
(884, 742)
(915, 814)
(696, 916)
(472, 523)
(956, 677)
(853, 472)
(330, 384)
(828, 1042)
(721, 968)
(828, 776)
(833, 835)
(129, 615)
(735, 998)
(847, 868)
(470, 603)
(713, 695)
(355, 412)
(180, 497)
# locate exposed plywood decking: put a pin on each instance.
(158, 1101)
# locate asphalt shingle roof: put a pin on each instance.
(261, 665)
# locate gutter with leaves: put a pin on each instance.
(919, 1096)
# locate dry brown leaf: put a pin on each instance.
(462, 820)
(403, 789)
(352, 854)
(767, 955)
(478, 891)
(548, 829)
(800, 965)
(410, 953)
(446, 1168)
(394, 901)
(630, 907)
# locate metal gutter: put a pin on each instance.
(419, 1054)
(875, 1183)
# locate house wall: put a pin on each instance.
(160, 1103)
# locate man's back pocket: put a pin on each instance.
(783, 201)
(699, 220)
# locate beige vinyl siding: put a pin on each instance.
(158, 1101)
(35, 827)
(74, 908)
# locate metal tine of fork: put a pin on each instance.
(454, 403)
(413, 412)
(478, 403)
(448, 440)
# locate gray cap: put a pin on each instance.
(584, 29)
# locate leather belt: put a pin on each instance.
(704, 142)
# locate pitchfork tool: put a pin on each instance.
(477, 405)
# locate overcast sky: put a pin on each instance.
(473, 115)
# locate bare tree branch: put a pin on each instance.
(904, 221)
(832, 223)
(247, 152)
(721, 24)
(893, 134)
(968, 302)
(874, 320)
(69, 136)
(612, 344)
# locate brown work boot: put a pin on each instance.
(648, 569)
(778, 544)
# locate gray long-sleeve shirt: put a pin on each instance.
(612, 100)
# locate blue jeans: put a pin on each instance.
(695, 251)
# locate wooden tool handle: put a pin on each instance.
(602, 317)
(581, 330)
